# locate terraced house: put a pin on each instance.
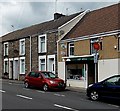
(0, 57)
(76, 54)
(35, 47)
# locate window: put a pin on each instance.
(113, 81)
(71, 49)
(22, 47)
(34, 74)
(119, 44)
(6, 66)
(5, 49)
(75, 71)
(22, 65)
(42, 63)
(42, 43)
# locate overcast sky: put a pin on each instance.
(15, 15)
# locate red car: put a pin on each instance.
(43, 79)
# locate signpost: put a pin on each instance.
(96, 47)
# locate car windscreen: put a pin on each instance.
(48, 75)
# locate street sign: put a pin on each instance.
(96, 46)
(95, 58)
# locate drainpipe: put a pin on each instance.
(30, 53)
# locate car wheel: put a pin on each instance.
(45, 87)
(94, 95)
(26, 85)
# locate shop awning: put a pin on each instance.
(79, 58)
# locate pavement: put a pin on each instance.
(74, 89)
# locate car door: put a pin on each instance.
(110, 88)
(31, 78)
(38, 79)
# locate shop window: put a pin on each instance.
(75, 73)
(71, 49)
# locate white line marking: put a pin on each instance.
(23, 96)
(59, 95)
(64, 107)
(9, 83)
(2, 91)
(40, 91)
(26, 89)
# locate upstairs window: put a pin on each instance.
(22, 47)
(42, 43)
(5, 49)
(71, 49)
(119, 44)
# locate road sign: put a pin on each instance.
(96, 46)
(95, 58)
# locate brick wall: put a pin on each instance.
(34, 53)
(82, 47)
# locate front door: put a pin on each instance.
(91, 73)
(51, 65)
(16, 72)
(11, 70)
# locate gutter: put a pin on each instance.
(104, 34)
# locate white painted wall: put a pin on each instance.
(107, 68)
(61, 70)
(76, 83)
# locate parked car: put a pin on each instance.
(108, 88)
(43, 79)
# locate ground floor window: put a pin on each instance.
(75, 71)
(42, 63)
(22, 65)
(5, 66)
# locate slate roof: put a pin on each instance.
(38, 28)
(98, 21)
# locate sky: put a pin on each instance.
(18, 14)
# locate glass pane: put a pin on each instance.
(42, 46)
(72, 51)
(42, 61)
(22, 66)
(42, 67)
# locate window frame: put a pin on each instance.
(69, 52)
(20, 47)
(39, 43)
(6, 60)
(119, 43)
(5, 51)
(42, 58)
(22, 58)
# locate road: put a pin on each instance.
(15, 96)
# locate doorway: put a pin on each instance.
(16, 70)
(11, 69)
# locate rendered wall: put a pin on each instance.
(107, 68)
